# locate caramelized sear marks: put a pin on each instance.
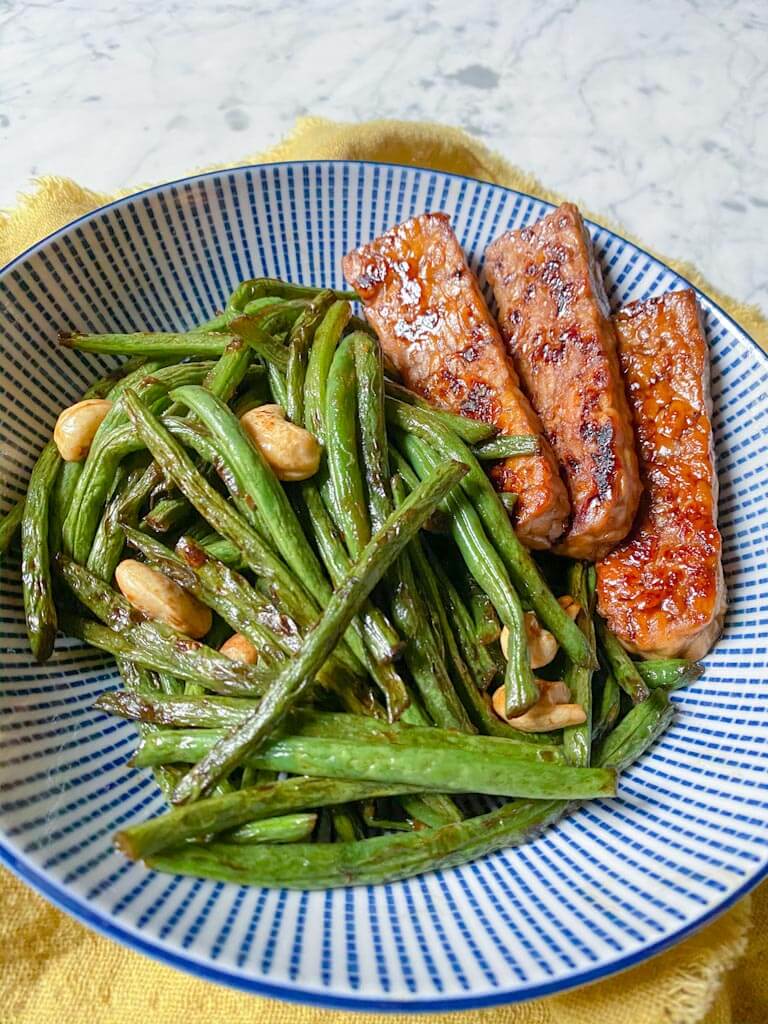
(434, 325)
(554, 318)
(662, 591)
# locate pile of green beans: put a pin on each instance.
(373, 595)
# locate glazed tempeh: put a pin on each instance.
(554, 318)
(434, 324)
(662, 591)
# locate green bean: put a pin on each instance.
(383, 641)
(474, 653)
(168, 514)
(431, 809)
(487, 626)
(277, 388)
(288, 828)
(345, 603)
(219, 814)
(608, 708)
(577, 739)
(222, 320)
(250, 399)
(520, 566)
(244, 609)
(370, 861)
(471, 431)
(123, 507)
(492, 766)
(251, 776)
(257, 336)
(39, 606)
(639, 727)
(257, 288)
(10, 525)
(623, 668)
(139, 681)
(177, 466)
(490, 572)
(299, 344)
(222, 380)
(508, 501)
(61, 500)
(124, 441)
(177, 711)
(422, 655)
(221, 550)
(373, 426)
(439, 521)
(373, 438)
(261, 331)
(162, 344)
(425, 650)
(341, 443)
(174, 686)
(507, 446)
(227, 373)
(327, 337)
(347, 827)
(101, 464)
(476, 703)
(382, 859)
(671, 673)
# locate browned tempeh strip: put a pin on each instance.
(662, 591)
(554, 318)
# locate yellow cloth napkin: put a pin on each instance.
(52, 969)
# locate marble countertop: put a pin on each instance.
(655, 113)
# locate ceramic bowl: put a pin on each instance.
(611, 885)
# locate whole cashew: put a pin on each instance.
(542, 646)
(76, 426)
(291, 451)
(551, 711)
(157, 597)
(238, 648)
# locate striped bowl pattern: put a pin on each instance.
(612, 884)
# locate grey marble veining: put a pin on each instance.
(654, 112)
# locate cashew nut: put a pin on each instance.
(291, 451)
(542, 646)
(569, 606)
(157, 597)
(238, 648)
(551, 711)
(75, 427)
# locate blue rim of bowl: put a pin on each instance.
(105, 925)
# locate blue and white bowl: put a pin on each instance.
(611, 885)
